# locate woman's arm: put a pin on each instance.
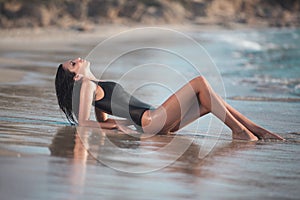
(85, 103)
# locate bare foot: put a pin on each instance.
(244, 135)
(262, 133)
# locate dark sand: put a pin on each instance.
(43, 158)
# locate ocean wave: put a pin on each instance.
(269, 84)
(256, 98)
(241, 43)
(297, 89)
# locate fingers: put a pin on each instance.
(126, 129)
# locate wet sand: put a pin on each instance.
(41, 157)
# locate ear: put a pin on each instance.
(78, 77)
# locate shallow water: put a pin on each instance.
(261, 62)
(42, 157)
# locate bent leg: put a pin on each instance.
(193, 115)
(171, 112)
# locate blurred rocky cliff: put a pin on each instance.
(70, 13)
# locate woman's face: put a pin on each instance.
(78, 65)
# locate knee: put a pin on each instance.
(199, 81)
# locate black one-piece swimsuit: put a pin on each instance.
(118, 102)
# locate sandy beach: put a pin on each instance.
(42, 157)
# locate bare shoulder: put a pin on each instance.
(88, 85)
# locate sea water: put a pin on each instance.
(257, 63)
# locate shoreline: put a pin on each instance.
(54, 32)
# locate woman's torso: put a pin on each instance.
(116, 101)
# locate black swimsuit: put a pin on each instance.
(118, 102)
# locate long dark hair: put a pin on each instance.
(64, 85)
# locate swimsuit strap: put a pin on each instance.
(96, 82)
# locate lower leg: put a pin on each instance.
(258, 131)
(190, 116)
(210, 100)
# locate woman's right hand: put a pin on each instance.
(125, 129)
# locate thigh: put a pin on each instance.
(173, 110)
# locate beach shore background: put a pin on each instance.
(82, 14)
(255, 48)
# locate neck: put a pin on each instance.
(89, 75)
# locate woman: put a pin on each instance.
(176, 112)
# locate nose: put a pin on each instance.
(78, 59)
(81, 60)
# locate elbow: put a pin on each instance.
(82, 123)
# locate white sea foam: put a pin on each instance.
(297, 89)
(271, 46)
(241, 43)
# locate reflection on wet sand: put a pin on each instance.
(190, 163)
(92, 159)
(67, 144)
(137, 153)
